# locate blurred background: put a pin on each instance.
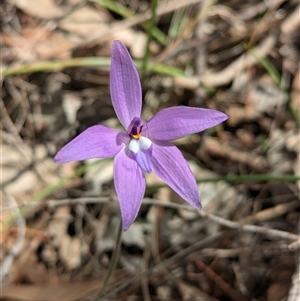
(59, 222)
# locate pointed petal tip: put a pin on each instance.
(117, 46)
(223, 116)
(60, 157)
(95, 142)
(169, 164)
(198, 205)
(195, 201)
(117, 43)
(130, 187)
(125, 86)
(56, 159)
(176, 122)
(125, 226)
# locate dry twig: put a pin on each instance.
(276, 234)
(225, 76)
(17, 247)
(232, 293)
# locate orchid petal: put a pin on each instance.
(130, 187)
(141, 150)
(125, 86)
(143, 159)
(177, 122)
(95, 142)
(169, 164)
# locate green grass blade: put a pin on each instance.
(127, 13)
(151, 25)
(266, 63)
(56, 65)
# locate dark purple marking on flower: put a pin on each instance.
(135, 128)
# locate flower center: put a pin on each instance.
(135, 128)
(141, 152)
(140, 147)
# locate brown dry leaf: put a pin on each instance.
(281, 275)
(39, 43)
(70, 249)
(164, 292)
(217, 198)
(71, 103)
(19, 178)
(220, 198)
(152, 179)
(262, 96)
(238, 114)
(135, 40)
(51, 292)
(35, 272)
(214, 147)
(99, 175)
(135, 237)
(294, 292)
(57, 45)
(163, 193)
(192, 293)
(24, 44)
(84, 22)
(58, 226)
(293, 142)
(278, 158)
(44, 9)
(26, 262)
(43, 42)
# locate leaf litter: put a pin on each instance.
(171, 253)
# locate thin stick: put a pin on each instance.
(207, 241)
(17, 247)
(232, 293)
(112, 263)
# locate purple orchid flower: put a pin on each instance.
(145, 146)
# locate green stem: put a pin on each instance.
(56, 65)
(112, 263)
(127, 13)
(252, 178)
(149, 31)
(93, 62)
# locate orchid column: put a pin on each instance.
(144, 146)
